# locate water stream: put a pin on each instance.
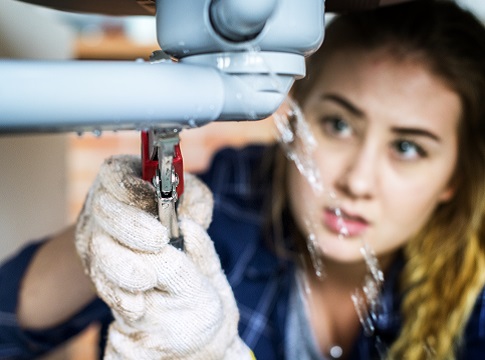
(299, 144)
(296, 139)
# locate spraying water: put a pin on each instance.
(301, 155)
(299, 144)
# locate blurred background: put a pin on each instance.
(44, 178)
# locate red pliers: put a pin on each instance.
(162, 165)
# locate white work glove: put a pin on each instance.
(167, 304)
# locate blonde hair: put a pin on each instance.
(445, 262)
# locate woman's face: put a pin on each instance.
(387, 147)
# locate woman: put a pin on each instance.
(394, 99)
(394, 102)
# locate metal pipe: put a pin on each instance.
(54, 96)
(238, 20)
(59, 96)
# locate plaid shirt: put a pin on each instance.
(261, 282)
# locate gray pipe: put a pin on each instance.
(238, 20)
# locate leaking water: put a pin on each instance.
(298, 130)
(97, 133)
(192, 123)
(314, 251)
(298, 142)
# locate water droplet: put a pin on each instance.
(252, 115)
(372, 262)
(192, 123)
(360, 306)
(315, 257)
(381, 347)
(336, 352)
(344, 231)
(223, 62)
(97, 133)
(80, 133)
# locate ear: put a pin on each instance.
(447, 194)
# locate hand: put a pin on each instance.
(167, 304)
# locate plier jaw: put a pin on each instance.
(162, 165)
(150, 156)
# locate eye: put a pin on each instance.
(335, 126)
(408, 150)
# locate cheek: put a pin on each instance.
(412, 192)
(327, 164)
(306, 203)
(333, 158)
(409, 208)
(297, 189)
(303, 201)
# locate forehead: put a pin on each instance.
(401, 90)
(376, 69)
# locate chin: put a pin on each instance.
(351, 258)
(347, 250)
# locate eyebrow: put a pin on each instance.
(344, 103)
(415, 132)
(360, 113)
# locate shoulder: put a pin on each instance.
(239, 178)
(240, 190)
(11, 274)
(474, 339)
(233, 166)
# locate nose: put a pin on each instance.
(359, 173)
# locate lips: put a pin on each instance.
(340, 222)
